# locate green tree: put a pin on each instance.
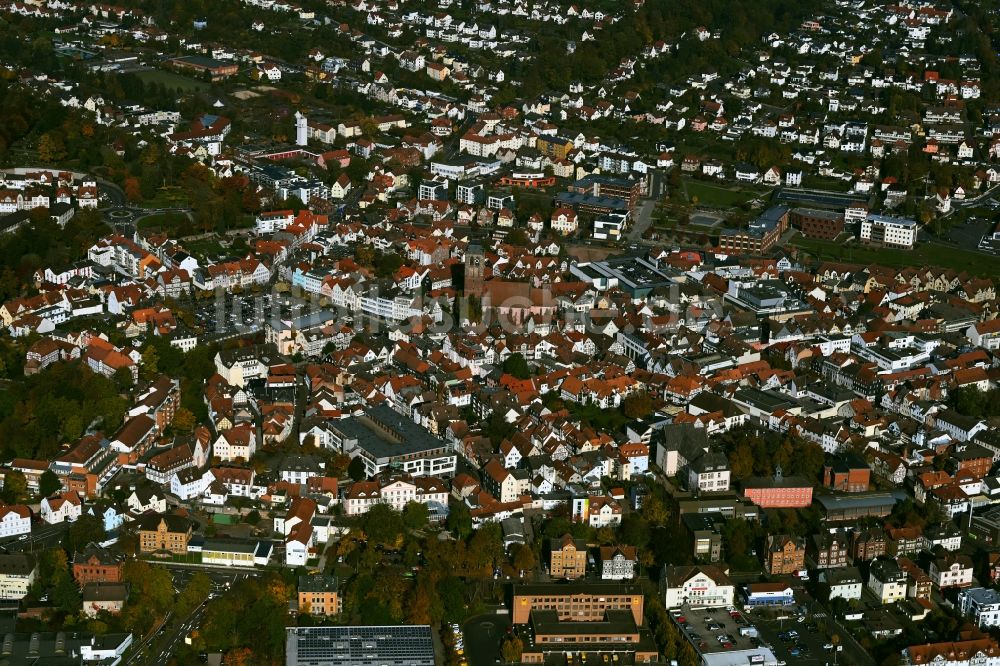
(383, 525)
(15, 487)
(356, 470)
(193, 593)
(460, 521)
(415, 515)
(49, 484)
(84, 530)
(516, 365)
(150, 362)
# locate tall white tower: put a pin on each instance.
(301, 130)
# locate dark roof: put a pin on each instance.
(151, 522)
(318, 583)
(16, 564)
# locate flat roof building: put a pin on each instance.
(407, 645)
(386, 440)
(578, 601)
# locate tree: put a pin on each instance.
(133, 192)
(193, 593)
(741, 462)
(241, 656)
(523, 557)
(184, 420)
(86, 529)
(123, 379)
(655, 510)
(383, 525)
(516, 237)
(150, 362)
(356, 470)
(15, 487)
(66, 595)
(516, 365)
(460, 521)
(49, 484)
(415, 515)
(637, 405)
(51, 148)
(512, 649)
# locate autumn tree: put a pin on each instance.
(637, 405)
(522, 557)
(51, 148)
(655, 510)
(511, 650)
(133, 191)
(184, 420)
(241, 656)
(741, 462)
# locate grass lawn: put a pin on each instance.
(205, 248)
(605, 419)
(162, 220)
(925, 254)
(166, 197)
(718, 196)
(171, 80)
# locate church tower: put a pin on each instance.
(301, 130)
(474, 261)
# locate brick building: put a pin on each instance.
(814, 223)
(97, 565)
(848, 473)
(778, 492)
(785, 554)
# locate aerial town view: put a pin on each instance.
(500, 332)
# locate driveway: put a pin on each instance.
(643, 218)
(483, 635)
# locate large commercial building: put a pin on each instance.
(615, 637)
(578, 601)
(385, 440)
(407, 645)
(889, 231)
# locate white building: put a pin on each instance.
(17, 573)
(60, 508)
(15, 519)
(397, 493)
(190, 483)
(981, 605)
(842, 583)
(698, 586)
(889, 231)
(618, 562)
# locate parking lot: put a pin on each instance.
(808, 641)
(968, 235)
(716, 629)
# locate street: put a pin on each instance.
(161, 645)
